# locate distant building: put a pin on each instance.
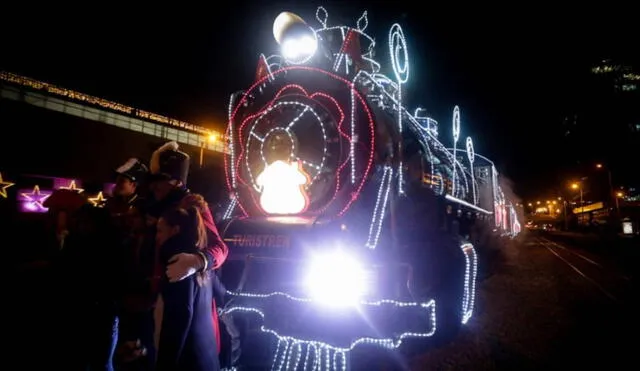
(602, 120)
(620, 77)
(632, 194)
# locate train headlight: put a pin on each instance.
(336, 279)
(298, 41)
(298, 49)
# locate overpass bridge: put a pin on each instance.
(59, 99)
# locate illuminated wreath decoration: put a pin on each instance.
(281, 117)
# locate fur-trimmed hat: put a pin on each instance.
(133, 169)
(167, 162)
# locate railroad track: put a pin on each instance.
(606, 279)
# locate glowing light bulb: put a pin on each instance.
(282, 188)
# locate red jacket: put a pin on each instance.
(217, 251)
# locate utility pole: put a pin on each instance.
(581, 206)
(202, 154)
(205, 141)
(613, 194)
(581, 198)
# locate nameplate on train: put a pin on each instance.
(261, 240)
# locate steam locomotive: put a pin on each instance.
(350, 225)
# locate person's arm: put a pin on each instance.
(211, 257)
(216, 252)
(176, 320)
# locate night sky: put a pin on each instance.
(512, 70)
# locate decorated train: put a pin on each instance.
(350, 225)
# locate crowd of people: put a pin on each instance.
(135, 279)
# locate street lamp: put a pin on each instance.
(566, 220)
(211, 138)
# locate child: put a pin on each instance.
(186, 337)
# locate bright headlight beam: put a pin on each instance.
(299, 49)
(335, 279)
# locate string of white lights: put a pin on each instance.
(229, 211)
(465, 203)
(461, 189)
(263, 59)
(461, 171)
(354, 138)
(335, 356)
(471, 156)
(390, 343)
(274, 62)
(305, 108)
(456, 136)
(470, 273)
(230, 131)
(427, 136)
(362, 23)
(346, 32)
(340, 55)
(322, 16)
(379, 80)
(400, 63)
(430, 160)
(496, 194)
(375, 228)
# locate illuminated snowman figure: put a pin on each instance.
(282, 188)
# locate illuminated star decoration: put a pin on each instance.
(34, 200)
(72, 187)
(98, 201)
(3, 187)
